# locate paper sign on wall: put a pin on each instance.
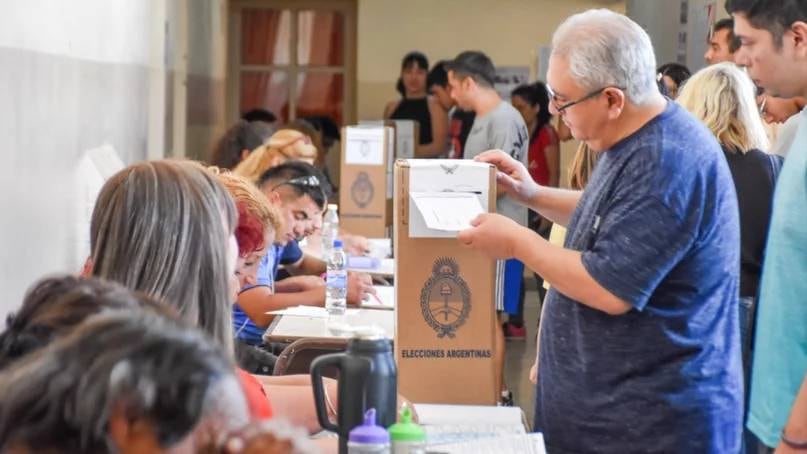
(364, 145)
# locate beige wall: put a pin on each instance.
(509, 31)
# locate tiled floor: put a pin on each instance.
(520, 356)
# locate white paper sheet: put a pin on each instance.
(522, 444)
(445, 175)
(385, 300)
(447, 211)
(364, 145)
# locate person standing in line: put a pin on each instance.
(498, 125)
(640, 341)
(416, 104)
(773, 37)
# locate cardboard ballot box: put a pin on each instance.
(365, 191)
(445, 313)
(406, 134)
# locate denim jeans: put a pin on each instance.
(748, 309)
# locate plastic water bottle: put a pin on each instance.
(336, 280)
(330, 230)
(368, 438)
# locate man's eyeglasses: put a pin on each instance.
(310, 181)
(561, 108)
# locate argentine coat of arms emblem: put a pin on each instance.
(445, 299)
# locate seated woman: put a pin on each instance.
(99, 391)
(54, 306)
(722, 97)
(166, 228)
(415, 104)
(238, 142)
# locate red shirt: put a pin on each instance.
(538, 166)
(258, 401)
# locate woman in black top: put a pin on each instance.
(416, 105)
(722, 96)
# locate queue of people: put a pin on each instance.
(674, 310)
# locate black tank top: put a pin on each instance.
(416, 109)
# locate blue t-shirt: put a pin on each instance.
(658, 227)
(780, 352)
(276, 256)
(243, 327)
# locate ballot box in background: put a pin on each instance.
(445, 310)
(365, 191)
(406, 136)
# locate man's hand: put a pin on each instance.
(492, 234)
(359, 288)
(534, 373)
(355, 244)
(512, 178)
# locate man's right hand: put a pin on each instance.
(512, 178)
(359, 288)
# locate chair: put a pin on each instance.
(297, 357)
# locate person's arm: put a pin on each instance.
(307, 265)
(257, 301)
(439, 120)
(624, 254)
(390, 108)
(298, 284)
(796, 427)
(562, 268)
(514, 179)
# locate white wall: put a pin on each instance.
(82, 75)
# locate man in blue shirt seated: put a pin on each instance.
(639, 345)
(295, 188)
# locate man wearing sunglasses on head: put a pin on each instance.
(639, 345)
(295, 188)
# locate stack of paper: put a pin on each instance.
(521, 444)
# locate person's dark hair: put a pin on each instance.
(259, 115)
(675, 71)
(776, 16)
(473, 64)
(56, 305)
(728, 24)
(413, 58)
(438, 76)
(146, 366)
(301, 177)
(327, 126)
(536, 94)
(243, 135)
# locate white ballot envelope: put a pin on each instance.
(445, 195)
(447, 211)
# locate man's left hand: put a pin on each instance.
(493, 234)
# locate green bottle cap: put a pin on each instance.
(406, 430)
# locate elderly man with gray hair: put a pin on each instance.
(639, 343)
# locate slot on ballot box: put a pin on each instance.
(445, 307)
